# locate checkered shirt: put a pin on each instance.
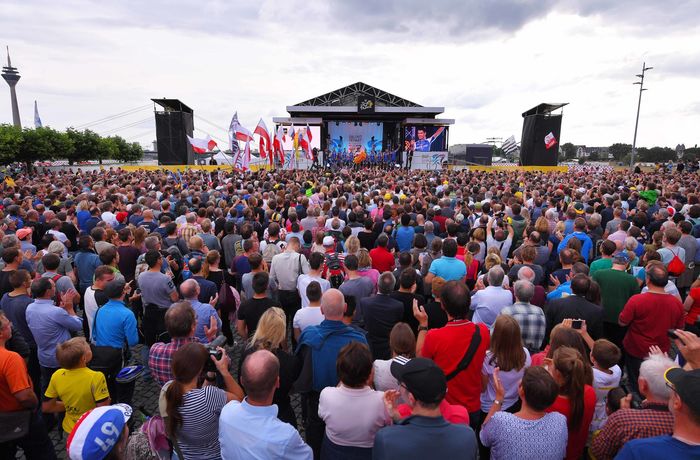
(161, 356)
(532, 323)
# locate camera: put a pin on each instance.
(576, 324)
(212, 349)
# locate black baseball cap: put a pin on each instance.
(422, 378)
(686, 384)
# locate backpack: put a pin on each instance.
(335, 270)
(55, 279)
(676, 267)
(270, 251)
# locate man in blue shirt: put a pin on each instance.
(447, 267)
(425, 433)
(318, 350)
(580, 233)
(251, 429)
(685, 407)
(86, 261)
(207, 318)
(404, 234)
(114, 328)
(50, 325)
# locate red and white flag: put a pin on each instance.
(550, 141)
(246, 156)
(265, 144)
(308, 133)
(237, 131)
(279, 141)
(202, 145)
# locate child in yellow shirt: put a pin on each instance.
(75, 389)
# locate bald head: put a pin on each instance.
(189, 289)
(333, 305)
(260, 375)
(526, 273)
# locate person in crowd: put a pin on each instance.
(208, 291)
(207, 317)
(605, 357)
(252, 309)
(50, 325)
(531, 432)
(648, 317)
(449, 346)
(74, 389)
(576, 399)
(85, 263)
(447, 267)
(607, 250)
(94, 296)
(577, 306)
(353, 412)
(487, 302)
(18, 400)
(157, 294)
(433, 308)
(318, 350)
(406, 294)
(285, 269)
(101, 433)
(616, 288)
(355, 285)
(531, 319)
(685, 406)
(310, 315)
(193, 408)
(379, 314)
(250, 428)
(180, 323)
(580, 234)
(402, 342)
(114, 332)
(257, 265)
(316, 261)
(271, 335)
(425, 433)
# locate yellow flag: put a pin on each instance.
(10, 181)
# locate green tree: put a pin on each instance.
(569, 150)
(37, 145)
(126, 152)
(619, 150)
(10, 144)
(88, 145)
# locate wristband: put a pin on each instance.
(422, 328)
(496, 401)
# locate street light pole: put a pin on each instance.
(639, 104)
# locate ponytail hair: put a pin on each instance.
(187, 365)
(570, 365)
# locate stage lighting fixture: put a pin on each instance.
(360, 123)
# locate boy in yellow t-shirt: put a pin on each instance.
(75, 389)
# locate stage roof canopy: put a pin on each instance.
(345, 101)
(545, 108)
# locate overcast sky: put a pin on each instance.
(485, 61)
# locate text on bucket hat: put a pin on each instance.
(97, 432)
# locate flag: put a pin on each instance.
(549, 140)
(304, 144)
(202, 145)
(37, 118)
(279, 144)
(509, 145)
(265, 144)
(237, 131)
(246, 156)
(308, 133)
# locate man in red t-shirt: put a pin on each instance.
(648, 317)
(382, 258)
(448, 345)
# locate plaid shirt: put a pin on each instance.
(653, 419)
(161, 356)
(532, 323)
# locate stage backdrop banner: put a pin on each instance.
(350, 136)
(424, 138)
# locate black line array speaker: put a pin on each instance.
(173, 125)
(533, 148)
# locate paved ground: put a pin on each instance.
(145, 400)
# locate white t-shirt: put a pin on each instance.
(308, 316)
(90, 307)
(303, 282)
(383, 380)
(602, 383)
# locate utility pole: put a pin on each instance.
(639, 104)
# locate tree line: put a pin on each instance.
(622, 152)
(32, 145)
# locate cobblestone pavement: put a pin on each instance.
(145, 400)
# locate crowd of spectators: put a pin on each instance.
(421, 314)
